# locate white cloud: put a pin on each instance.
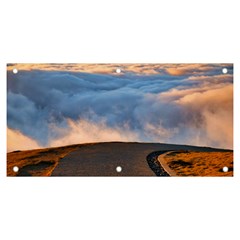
(18, 141)
(82, 131)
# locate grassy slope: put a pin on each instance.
(40, 162)
(200, 163)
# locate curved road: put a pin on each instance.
(101, 159)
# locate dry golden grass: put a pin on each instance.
(40, 162)
(200, 163)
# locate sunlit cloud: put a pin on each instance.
(154, 69)
(83, 131)
(18, 141)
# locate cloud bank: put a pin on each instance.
(174, 103)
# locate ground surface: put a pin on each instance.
(200, 163)
(101, 159)
(40, 162)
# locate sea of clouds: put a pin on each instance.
(65, 104)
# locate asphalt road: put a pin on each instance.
(102, 159)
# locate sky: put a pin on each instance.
(52, 105)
